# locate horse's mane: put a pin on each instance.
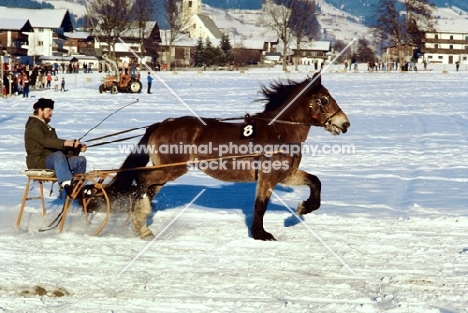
(278, 92)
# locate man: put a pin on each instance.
(150, 80)
(46, 151)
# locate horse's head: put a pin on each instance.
(307, 102)
(323, 109)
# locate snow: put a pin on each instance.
(394, 211)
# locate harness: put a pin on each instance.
(321, 103)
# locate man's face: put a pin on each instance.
(46, 114)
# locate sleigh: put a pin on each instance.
(96, 180)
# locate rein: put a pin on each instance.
(319, 102)
(183, 163)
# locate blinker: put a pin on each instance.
(323, 101)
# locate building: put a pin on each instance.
(448, 44)
(49, 25)
(13, 36)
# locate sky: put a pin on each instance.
(390, 236)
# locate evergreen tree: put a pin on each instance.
(225, 46)
(198, 58)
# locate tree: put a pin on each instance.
(338, 46)
(419, 19)
(198, 57)
(278, 17)
(225, 46)
(404, 23)
(113, 17)
(143, 10)
(175, 19)
(364, 51)
(304, 23)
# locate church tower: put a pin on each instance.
(191, 7)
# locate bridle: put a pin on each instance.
(322, 103)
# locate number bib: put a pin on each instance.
(248, 131)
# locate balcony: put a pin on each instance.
(444, 51)
(446, 41)
(14, 51)
(60, 50)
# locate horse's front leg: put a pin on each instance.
(263, 195)
(303, 178)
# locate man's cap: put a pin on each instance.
(43, 103)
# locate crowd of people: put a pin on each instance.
(22, 78)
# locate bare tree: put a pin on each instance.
(177, 25)
(304, 23)
(419, 19)
(143, 11)
(404, 22)
(278, 17)
(113, 17)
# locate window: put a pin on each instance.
(429, 56)
(451, 37)
(466, 37)
(40, 43)
(436, 36)
(436, 46)
(464, 58)
(451, 47)
(190, 3)
(440, 57)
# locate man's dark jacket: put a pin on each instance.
(40, 140)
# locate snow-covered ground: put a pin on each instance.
(391, 235)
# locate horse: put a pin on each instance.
(263, 147)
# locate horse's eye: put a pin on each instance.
(323, 101)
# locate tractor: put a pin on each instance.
(117, 81)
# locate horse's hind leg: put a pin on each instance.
(303, 178)
(150, 183)
(142, 208)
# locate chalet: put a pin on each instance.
(129, 43)
(49, 25)
(311, 52)
(13, 35)
(448, 44)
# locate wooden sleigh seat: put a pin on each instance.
(40, 176)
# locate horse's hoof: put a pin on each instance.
(147, 235)
(304, 207)
(301, 209)
(263, 235)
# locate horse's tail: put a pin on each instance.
(139, 157)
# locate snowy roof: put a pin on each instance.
(134, 31)
(256, 44)
(452, 26)
(312, 45)
(183, 40)
(77, 35)
(210, 25)
(41, 18)
(14, 23)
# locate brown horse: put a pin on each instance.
(264, 147)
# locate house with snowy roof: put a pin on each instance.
(448, 44)
(13, 35)
(46, 38)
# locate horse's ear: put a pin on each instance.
(317, 78)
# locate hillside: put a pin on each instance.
(340, 19)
